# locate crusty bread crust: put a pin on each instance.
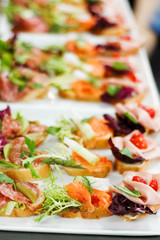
(18, 212)
(139, 167)
(36, 93)
(41, 139)
(70, 94)
(100, 143)
(24, 174)
(113, 31)
(132, 217)
(100, 172)
(83, 213)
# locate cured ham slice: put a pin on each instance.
(148, 195)
(150, 153)
(140, 115)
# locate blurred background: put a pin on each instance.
(147, 14)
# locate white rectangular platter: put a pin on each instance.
(112, 225)
(47, 111)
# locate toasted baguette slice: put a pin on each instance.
(83, 213)
(135, 216)
(36, 93)
(41, 139)
(137, 167)
(24, 174)
(19, 212)
(100, 143)
(113, 31)
(100, 172)
(70, 94)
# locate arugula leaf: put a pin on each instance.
(112, 90)
(133, 193)
(31, 146)
(126, 152)
(85, 181)
(63, 162)
(5, 179)
(120, 66)
(4, 164)
(126, 114)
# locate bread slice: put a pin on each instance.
(24, 174)
(36, 93)
(100, 172)
(98, 143)
(137, 167)
(19, 212)
(70, 94)
(41, 139)
(83, 213)
(135, 216)
(113, 31)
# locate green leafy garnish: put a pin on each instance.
(112, 90)
(86, 120)
(31, 146)
(126, 152)
(120, 66)
(17, 79)
(94, 81)
(6, 61)
(21, 58)
(57, 200)
(4, 46)
(85, 181)
(129, 116)
(5, 179)
(37, 85)
(133, 193)
(4, 165)
(65, 127)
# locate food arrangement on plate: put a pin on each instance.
(95, 150)
(27, 72)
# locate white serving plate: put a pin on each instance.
(49, 109)
(112, 225)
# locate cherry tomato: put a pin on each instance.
(138, 140)
(154, 184)
(138, 179)
(133, 77)
(127, 38)
(150, 111)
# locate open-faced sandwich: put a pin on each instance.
(47, 16)
(131, 116)
(19, 82)
(115, 47)
(16, 125)
(75, 159)
(92, 132)
(19, 199)
(13, 156)
(82, 198)
(137, 196)
(134, 151)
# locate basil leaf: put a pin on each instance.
(126, 114)
(112, 90)
(133, 193)
(126, 152)
(120, 66)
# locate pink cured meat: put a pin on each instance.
(140, 115)
(17, 146)
(35, 59)
(149, 195)
(3, 200)
(10, 127)
(33, 128)
(152, 152)
(9, 91)
(25, 2)
(32, 24)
